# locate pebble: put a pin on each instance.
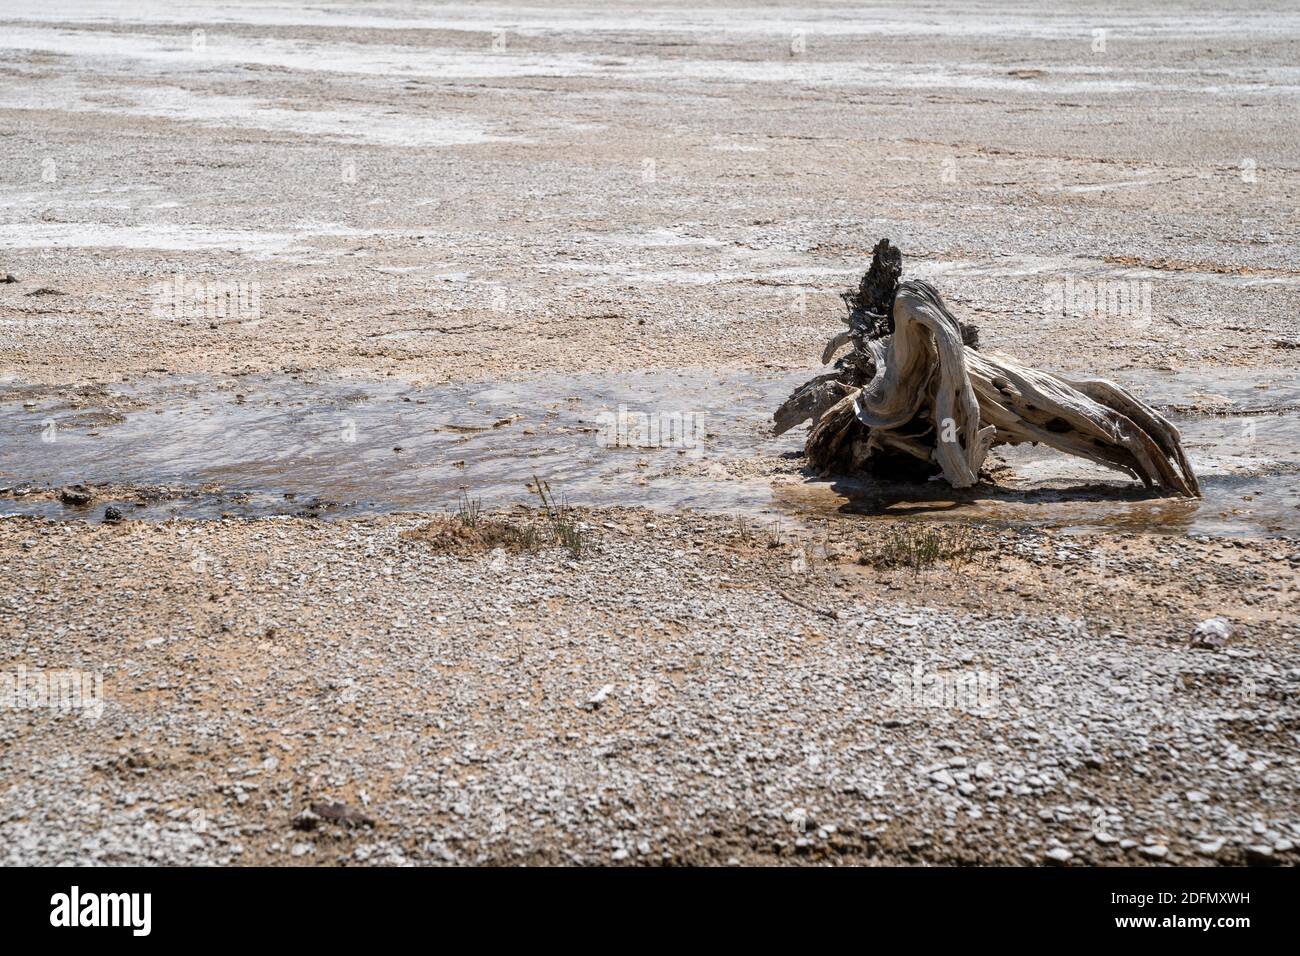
(595, 700)
(1211, 633)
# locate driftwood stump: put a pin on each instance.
(915, 397)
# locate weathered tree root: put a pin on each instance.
(914, 397)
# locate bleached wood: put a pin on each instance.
(935, 399)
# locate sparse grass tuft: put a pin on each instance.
(470, 511)
(469, 530)
(908, 545)
(564, 529)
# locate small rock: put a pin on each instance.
(78, 495)
(112, 514)
(339, 813)
(306, 821)
(1156, 852)
(1260, 854)
(1211, 633)
(1059, 854)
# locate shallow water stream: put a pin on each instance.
(332, 445)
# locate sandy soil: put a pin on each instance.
(450, 195)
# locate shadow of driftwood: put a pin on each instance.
(867, 496)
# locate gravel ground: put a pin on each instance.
(684, 690)
(420, 196)
(663, 188)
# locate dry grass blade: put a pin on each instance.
(469, 530)
(915, 546)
